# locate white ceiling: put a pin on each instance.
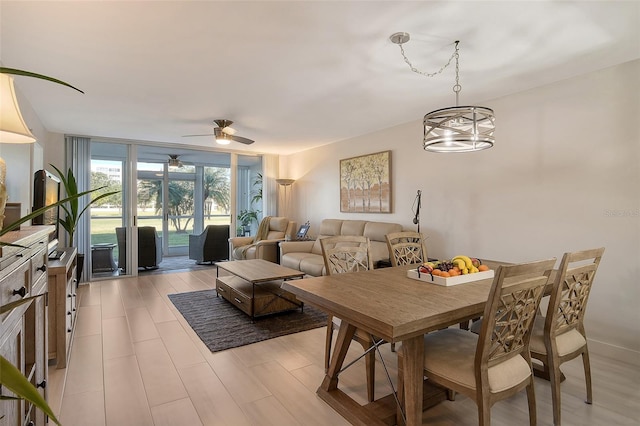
(293, 74)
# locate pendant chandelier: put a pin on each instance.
(458, 128)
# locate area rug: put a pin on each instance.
(220, 325)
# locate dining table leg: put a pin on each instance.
(413, 354)
(345, 334)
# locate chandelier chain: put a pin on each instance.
(428, 74)
(456, 87)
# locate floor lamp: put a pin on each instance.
(286, 183)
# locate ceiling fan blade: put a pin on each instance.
(190, 136)
(241, 140)
(229, 130)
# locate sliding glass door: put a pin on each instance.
(109, 216)
(177, 191)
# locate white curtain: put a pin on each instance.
(269, 186)
(78, 157)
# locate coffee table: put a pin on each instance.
(255, 286)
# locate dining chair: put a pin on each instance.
(495, 364)
(406, 247)
(344, 254)
(560, 335)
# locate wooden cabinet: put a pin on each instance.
(23, 331)
(62, 305)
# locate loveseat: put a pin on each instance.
(306, 256)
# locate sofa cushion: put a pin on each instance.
(354, 227)
(312, 265)
(377, 231)
(379, 251)
(292, 260)
(330, 227)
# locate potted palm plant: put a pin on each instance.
(72, 209)
(10, 376)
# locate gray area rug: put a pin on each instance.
(222, 326)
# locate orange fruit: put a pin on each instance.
(453, 273)
(483, 268)
(445, 274)
(436, 272)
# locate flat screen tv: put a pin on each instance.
(46, 191)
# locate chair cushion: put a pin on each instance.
(275, 235)
(278, 224)
(244, 252)
(451, 353)
(566, 343)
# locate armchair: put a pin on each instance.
(265, 247)
(149, 248)
(210, 245)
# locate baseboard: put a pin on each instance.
(615, 352)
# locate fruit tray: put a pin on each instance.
(460, 279)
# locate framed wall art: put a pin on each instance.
(365, 183)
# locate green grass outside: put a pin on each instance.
(103, 227)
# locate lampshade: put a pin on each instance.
(285, 182)
(459, 129)
(13, 129)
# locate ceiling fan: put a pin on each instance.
(173, 160)
(224, 134)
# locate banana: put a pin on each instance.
(467, 261)
(459, 263)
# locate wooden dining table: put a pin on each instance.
(396, 308)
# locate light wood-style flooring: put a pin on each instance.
(135, 361)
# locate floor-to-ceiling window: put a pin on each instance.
(177, 191)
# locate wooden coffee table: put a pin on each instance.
(255, 286)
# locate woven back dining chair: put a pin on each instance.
(495, 364)
(560, 336)
(406, 248)
(343, 254)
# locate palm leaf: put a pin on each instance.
(14, 71)
(12, 379)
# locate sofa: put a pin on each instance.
(306, 256)
(243, 248)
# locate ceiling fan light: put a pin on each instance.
(459, 129)
(222, 140)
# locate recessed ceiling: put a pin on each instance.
(296, 74)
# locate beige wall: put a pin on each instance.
(564, 175)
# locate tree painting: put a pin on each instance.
(365, 183)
